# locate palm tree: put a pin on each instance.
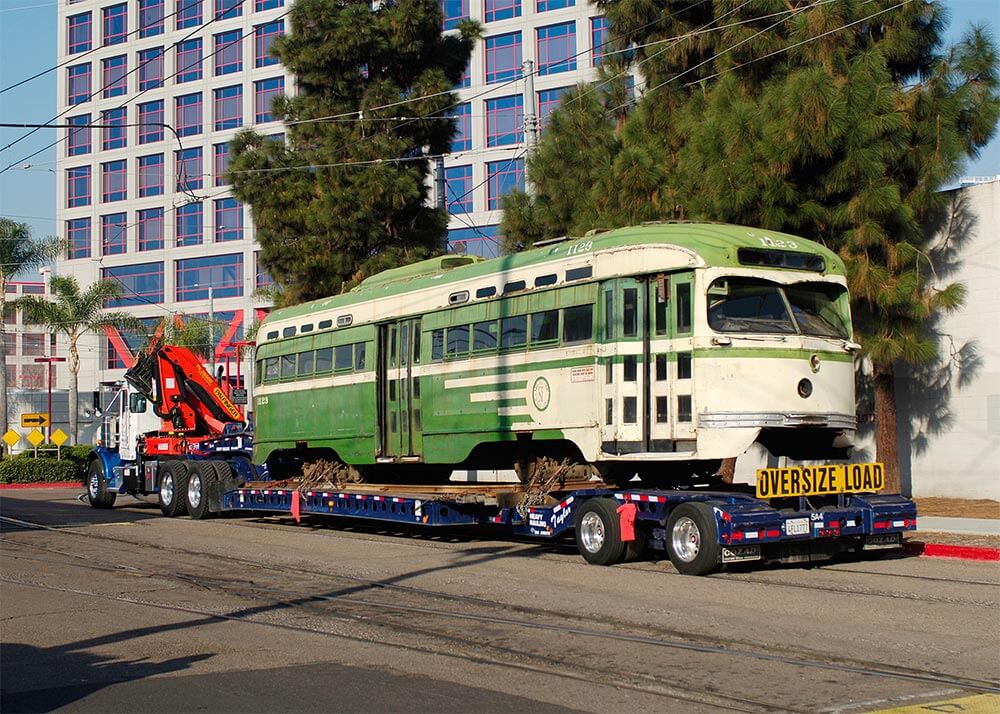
(75, 313)
(18, 253)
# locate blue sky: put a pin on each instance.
(28, 46)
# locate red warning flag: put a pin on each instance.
(626, 516)
(297, 506)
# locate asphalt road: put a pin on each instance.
(124, 610)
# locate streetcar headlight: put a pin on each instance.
(805, 388)
(814, 363)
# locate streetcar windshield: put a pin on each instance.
(753, 305)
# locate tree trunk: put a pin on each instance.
(886, 446)
(73, 396)
(727, 471)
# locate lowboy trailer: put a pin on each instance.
(700, 531)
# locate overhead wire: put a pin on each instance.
(132, 98)
(77, 57)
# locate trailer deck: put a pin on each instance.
(745, 528)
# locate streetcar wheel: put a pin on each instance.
(97, 486)
(598, 532)
(200, 475)
(693, 539)
(173, 487)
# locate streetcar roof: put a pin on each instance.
(716, 244)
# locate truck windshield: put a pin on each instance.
(750, 305)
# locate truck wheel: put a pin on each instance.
(598, 532)
(200, 475)
(97, 486)
(693, 539)
(173, 487)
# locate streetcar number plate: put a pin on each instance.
(794, 481)
(797, 526)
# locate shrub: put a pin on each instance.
(22, 470)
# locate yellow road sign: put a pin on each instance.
(39, 419)
(11, 437)
(58, 437)
(36, 437)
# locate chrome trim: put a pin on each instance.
(828, 420)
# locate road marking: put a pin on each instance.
(977, 704)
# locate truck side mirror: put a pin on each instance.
(136, 403)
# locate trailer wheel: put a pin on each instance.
(693, 539)
(97, 486)
(200, 475)
(598, 532)
(173, 487)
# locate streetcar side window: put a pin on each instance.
(306, 361)
(359, 357)
(609, 312)
(578, 324)
(544, 327)
(271, 369)
(324, 360)
(259, 373)
(437, 345)
(343, 357)
(288, 366)
(684, 307)
(484, 336)
(458, 341)
(513, 332)
(630, 312)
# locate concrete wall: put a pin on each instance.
(950, 412)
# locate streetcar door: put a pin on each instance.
(681, 319)
(625, 367)
(659, 374)
(400, 397)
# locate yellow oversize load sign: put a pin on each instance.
(819, 480)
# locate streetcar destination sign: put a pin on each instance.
(819, 480)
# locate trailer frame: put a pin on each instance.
(745, 528)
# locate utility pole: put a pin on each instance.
(530, 120)
(211, 330)
(50, 361)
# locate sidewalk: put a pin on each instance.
(965, 526)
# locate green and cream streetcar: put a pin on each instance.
(657, 349)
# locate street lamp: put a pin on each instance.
(50, 361)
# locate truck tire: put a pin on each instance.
(598, 532)
(693, 539)
(200, 475)
(97, 486)
(173, 488)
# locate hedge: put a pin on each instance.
(29, 470)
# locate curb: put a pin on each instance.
(962, 552)
(43, 484)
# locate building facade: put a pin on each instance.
(141, 197)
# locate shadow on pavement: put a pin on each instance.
(63, 508)
(49, 678)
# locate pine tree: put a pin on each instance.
(345, 195)
(839, 122)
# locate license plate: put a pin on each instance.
(878, 542)
(792, 481)
(797, 526)
(738, 553)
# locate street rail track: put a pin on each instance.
(566, 624)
